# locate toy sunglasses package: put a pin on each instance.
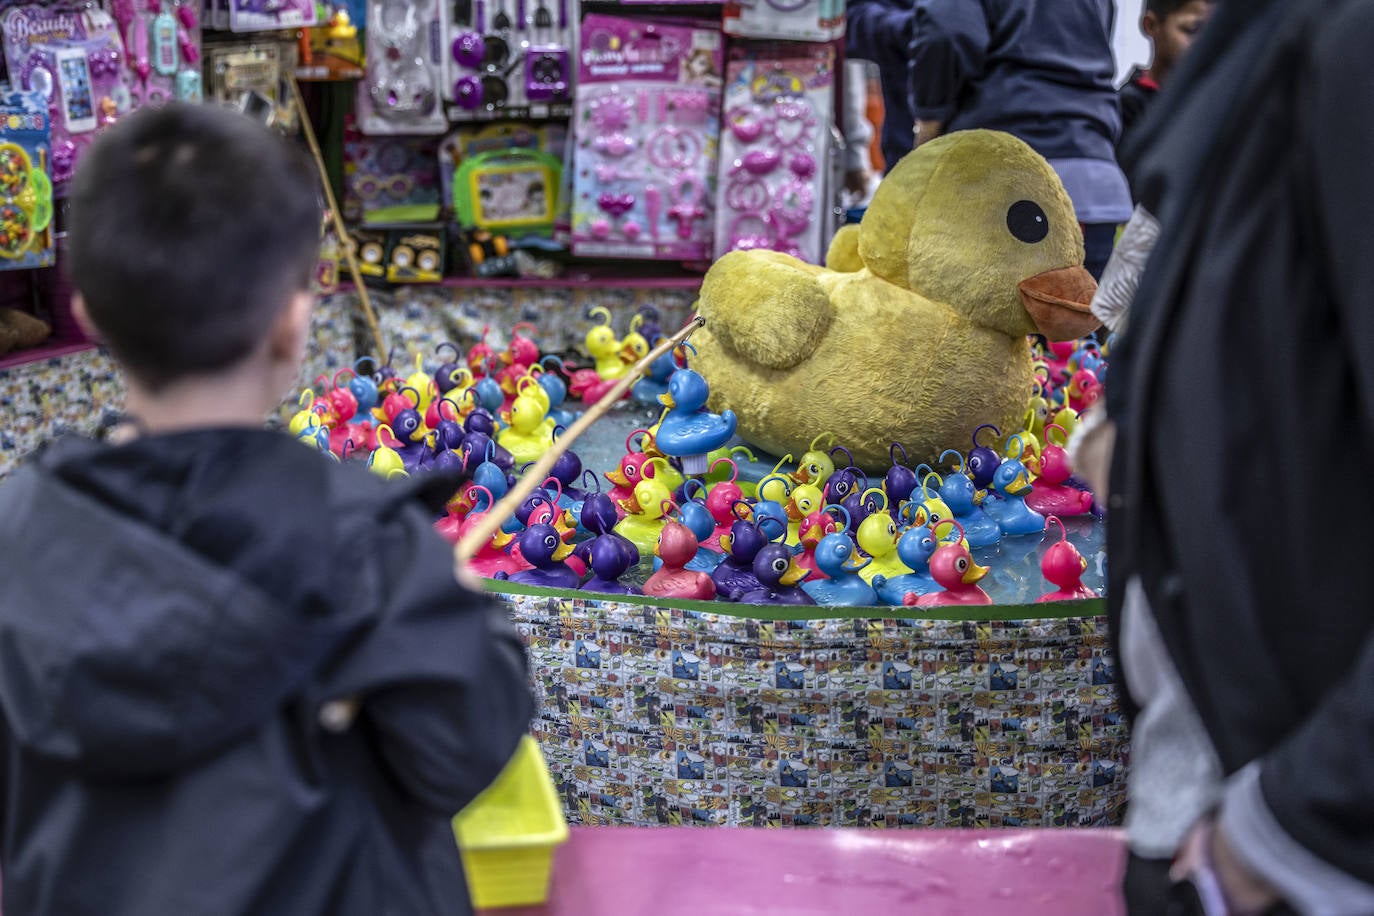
(795, 20)
(775, 150)
(401, 91)
(647, 115)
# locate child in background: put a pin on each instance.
(238, 678)
(1171, 26)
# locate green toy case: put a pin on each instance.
(509, 190)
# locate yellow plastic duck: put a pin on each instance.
(970, 245)
(529, 433)
(644, 519)
(877, 537)
(603, 346)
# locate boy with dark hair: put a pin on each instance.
(237, 678)
(1171, 26)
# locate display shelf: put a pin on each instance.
(51, 349)
(583, 278)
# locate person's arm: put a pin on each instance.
(446, 691)
(948, 47)
(1301, 819)
(878, 30)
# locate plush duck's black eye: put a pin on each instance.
(1027, 221)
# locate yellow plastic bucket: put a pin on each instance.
(508, 834)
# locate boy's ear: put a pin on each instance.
(289, 331)
(1149, 24)
(83, 317)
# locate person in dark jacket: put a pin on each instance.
(1247, 367)
(880, 31)
(235, 677)
(1171, 26)
(1041, 70)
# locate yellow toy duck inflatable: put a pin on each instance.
(970, 245)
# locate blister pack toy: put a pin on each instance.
(509, 191)
(269, 15)
(26, 206)
(794, 20)
(647, 118)
(243, 68)
(75, 60)
(162, 56)
(503, 65)
(775, 149)
(390, 179)
(401, 92)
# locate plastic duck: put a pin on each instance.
(1012, 483)
(654, 384)
(702, 524)
(1063, 567)
(900, 479)
(954, 569)
(492, 557)
(644, 513)
(956, 278)
(341, 27)
(677, 546)
(634, 346)
(961, 496)
(451, 374)
(1051, 493)
(555, 389)
(861, 505)
(543, 548)
(481, 356)
(603, 347)
(915, 548)
(814, 529)
(608, 561)
(843, 482)
(735, 574)
(530, 433)
(778, 573)
(878, 538)
(1082, 382)
(424, 385)
(804, 501)
(817, 465)
(982, 460)
(386, 461)
(599, 517)
(720, 502)
(835, 557)
(689, 431)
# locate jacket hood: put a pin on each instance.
(164, 597)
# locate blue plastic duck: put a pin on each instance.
(915, 548)
(959, 493)
(1012, 483)
(688, 430)
(654, 385)
(844, 586)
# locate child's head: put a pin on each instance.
(1171, 25)
(194, 234)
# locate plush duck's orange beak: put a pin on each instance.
(1058, 301)
(975, 572)
(794, 574)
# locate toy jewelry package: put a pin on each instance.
(26, 207)
(647, 118)
(794, 20)
(400, 93)
(775, 149)
(500, 65)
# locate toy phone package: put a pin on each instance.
(72, 59)
(26, 206)
(794, 20)
(161, 57)
(400, 93)
(509, 58)
(647, 115)
(775, 150)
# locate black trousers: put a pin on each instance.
(1150, 892)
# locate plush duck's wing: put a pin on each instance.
(843, 255)
(768, 307)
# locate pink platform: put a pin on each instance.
(695, 870)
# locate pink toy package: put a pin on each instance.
(73, 58)
(775, 150)
(647, 115)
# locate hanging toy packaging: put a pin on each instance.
(775, 151)
(25, 190)
(269, 15)
(504, 66)
(647, 113)
(795, 20)
(73, 59)
(162, 43)
(400, 94)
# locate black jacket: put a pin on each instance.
(1040, 69)
(1135, 97)
(1252, 341)
(174, 613)
(880, 31)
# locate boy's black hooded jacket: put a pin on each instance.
(174, 613)
(1252, 341)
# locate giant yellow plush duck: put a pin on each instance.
(920, 335)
